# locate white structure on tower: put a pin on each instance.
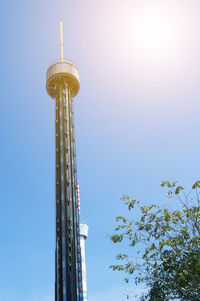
(83, 237)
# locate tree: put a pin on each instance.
(167, 244)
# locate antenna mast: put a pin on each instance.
(61, 42)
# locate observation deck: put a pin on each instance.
(62, 71)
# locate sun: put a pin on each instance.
(153, 32)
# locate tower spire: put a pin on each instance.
(61, 42)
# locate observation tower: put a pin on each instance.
(62, 84)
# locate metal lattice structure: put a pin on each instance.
(63, 84)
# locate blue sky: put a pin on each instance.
(137, 123)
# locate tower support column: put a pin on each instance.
(62, 85)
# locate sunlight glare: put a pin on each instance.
(153, 32)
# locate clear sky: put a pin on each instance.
(137, 123)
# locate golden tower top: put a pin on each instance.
(62, 71)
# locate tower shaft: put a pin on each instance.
(68, 284)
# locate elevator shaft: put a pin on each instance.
(68, 284)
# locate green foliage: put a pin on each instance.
(167, 242)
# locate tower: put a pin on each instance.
(62, 84)
(83, 237)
